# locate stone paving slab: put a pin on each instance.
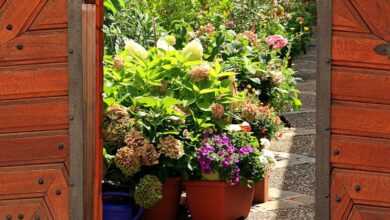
(287, 159)
(301, 119)
(297, 178)
(298, 141)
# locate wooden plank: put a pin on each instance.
(46, 182)
(362, 85)
(376, 14)
(34, 115)
(19, 14)
(362, 119)
(345, 18)
(52, 16)
(35, 47)
(360, 153)
(322, 204)
(98, 200)
(34, 147)
(93, 105)
(360, 212)
(358, 48)
(32, 208)
(33, 81)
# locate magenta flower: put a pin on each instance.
(276, 41)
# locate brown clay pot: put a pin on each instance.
(261, 190)
(217, 200)
(168, 206)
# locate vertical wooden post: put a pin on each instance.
(93, 81)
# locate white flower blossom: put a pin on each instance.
(233, 128)
(164, 45)
(193, 51)
(136, 50)
(265, 142)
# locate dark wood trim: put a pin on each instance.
(324, 8)
(76, 118)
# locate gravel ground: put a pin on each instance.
(299, 178)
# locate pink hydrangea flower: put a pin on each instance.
(276, 41)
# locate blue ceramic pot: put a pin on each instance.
(118, 206)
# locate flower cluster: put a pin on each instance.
(224, 156)
(117, 123)
(276, 41)
(148, 191)
(200, 73)
(171, 147)
(126, 159)
(140, 152)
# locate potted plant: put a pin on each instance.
(229, 165)
(148, 157)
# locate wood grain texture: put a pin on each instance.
(90, 105)
(34, 147)
(34, 115)
(358, 188)
(34, 110)
(37, 47)
(360, 152)
(47, 183)
(52, 16)
(31, 209)
(376, 14)
(33, 81)
(361, 212)
(345, 18)
(362, 119)
(361, 85)
(358, 48)
(360, 112)
(20, 17)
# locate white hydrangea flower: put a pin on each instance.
(233, 128)
(164, 45)
(136, 50)
(269, 155)
(194, 50)
(265, 142)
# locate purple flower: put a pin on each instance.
(235, 176)
(245, 150)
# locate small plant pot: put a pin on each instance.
(119, 206)
(261, 190)
(167, 208)
(218, 200)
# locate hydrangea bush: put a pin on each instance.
(196, 93)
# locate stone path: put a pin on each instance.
(293, 177)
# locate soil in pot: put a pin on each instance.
(167, 208)
(261, 190)
(217, 200)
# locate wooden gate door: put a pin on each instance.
(42, 100)
(356, 93)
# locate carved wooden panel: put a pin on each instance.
(353, 191)
(35, 190)
(360, 110)
(34, 110)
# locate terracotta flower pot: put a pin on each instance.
(261, 190)
(167, 207)
(218, 200)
